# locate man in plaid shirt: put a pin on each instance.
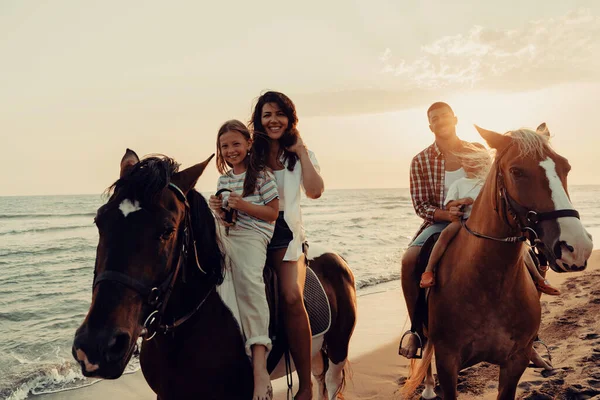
(432, 171)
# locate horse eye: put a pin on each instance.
(167, 233)
(516, 172)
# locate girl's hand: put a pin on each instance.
(456, 203)
(297, 147)
(215, 203)
(236, 202)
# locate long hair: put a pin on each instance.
(224, 167)
(260, 148)
(475, 157)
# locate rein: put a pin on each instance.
(157, 296)
(527, 220)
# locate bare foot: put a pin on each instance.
(412, 345)
(539, 362)
(262, 386)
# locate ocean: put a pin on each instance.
(47, 251)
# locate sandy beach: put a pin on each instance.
(570, 327)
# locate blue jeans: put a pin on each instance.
(430, 230)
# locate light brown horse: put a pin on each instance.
(158, 265)
(485, 306)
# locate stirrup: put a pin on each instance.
(418, 355)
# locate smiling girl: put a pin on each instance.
(255, 197)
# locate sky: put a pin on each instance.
(81, 81)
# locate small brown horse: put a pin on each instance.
(158, 264)
(485, 306)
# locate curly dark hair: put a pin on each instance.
(260, 148)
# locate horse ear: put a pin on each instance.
(186, 179)
(494, 140)
(543, 130)
(128, 161)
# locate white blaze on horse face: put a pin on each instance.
(127, 207)
(572, 231)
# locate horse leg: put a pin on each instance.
(429, 392)
(319, 367)
(342, 298)
(335, 379)
(510, 373)
(447, 370)
(336, 342)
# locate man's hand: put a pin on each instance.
(455, 213)
(467, 201)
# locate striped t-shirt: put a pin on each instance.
(265, 192)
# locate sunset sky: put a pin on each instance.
(81, 81)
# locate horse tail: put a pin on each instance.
(418, 371)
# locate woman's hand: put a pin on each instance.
(297, 147)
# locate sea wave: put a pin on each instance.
(46, 229)
(45, 216)
(79, 247)
(53, 378)
(372, 281)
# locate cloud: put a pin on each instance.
(540, 54)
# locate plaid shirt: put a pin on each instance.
(427, 173)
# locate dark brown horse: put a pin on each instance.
(485, 306)
(158, 264)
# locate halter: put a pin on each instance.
(157, 296)
(526, 219)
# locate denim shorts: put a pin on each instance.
(427, 232)
(282, 236)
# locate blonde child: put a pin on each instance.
(476, 163)
(255, 196)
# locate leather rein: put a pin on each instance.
(156, 296)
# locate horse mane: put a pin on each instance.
(530, 143)
(205, 233)
(146, 180)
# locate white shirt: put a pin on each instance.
(289, 197)
(280, 186)
(452, 176)
(462, 188)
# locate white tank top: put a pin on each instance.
(279, 177)
(450, 178)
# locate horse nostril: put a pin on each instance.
(558, 250)
(117, 346)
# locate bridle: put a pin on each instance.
(156, 296)
(526, 219)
